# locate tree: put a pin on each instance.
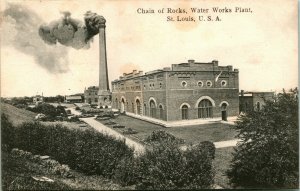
(60, 110)
(49, 110)
(267, 156)
(166, 166)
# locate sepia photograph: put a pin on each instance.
(149, 95)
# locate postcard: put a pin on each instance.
(149, 94)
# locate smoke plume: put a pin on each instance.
(71, 32)
(19, 30)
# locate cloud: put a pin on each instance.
(71, 32)
(20, 26)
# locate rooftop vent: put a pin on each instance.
(191, 61)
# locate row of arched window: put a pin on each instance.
(204, 107)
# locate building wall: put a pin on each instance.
(253, 99)
(178, 94)
(186, 83)
(191, 98)
(246, 103)
(91, 95)
(154, 88)
(127, 92)
(260, 98)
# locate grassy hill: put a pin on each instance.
(17, 174)
(16, 115)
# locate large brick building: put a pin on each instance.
(185, 91)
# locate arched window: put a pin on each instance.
(161, 112)
(145, 109)
(117, 103)
(223, 107)
(205, 109)
(224, 111)
(258, 106)
(132, 107)
(138, 107)
(152, 109)
(185, 112)
(122, 109)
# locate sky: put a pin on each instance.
(262, 43)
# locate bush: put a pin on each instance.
(126, 171)
(20, 102)
(268, 154)
(109, 114)
(73, 119)
(159, 136)
(166, 166)
(51, 165)
(110, 123)
(87, 151)
(60, 110)
(129, 131)
(7, 132)
(208, 147)
(49, 110)
(199, 171)
(118, 126)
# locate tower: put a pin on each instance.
(104, 100)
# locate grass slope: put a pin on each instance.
(16, 115)
(17, 175)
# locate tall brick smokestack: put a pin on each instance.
(71, 32)
(96, 24)
(103, 74)
(104, 93)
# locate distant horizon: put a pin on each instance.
(245, 91)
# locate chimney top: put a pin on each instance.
(191, 61)
(215, 61)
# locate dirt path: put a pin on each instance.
(220, 144)
(223, 144)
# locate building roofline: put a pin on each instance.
(170, 71)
